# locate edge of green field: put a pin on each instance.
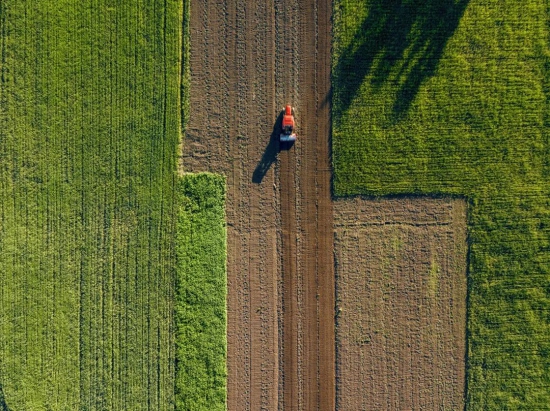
(450, 97)
(201, 346)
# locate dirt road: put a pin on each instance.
(306, 208)
(248, 59)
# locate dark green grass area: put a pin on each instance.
(451, 97)
(89, 128)
(201, 294)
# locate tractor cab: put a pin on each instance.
(287, 134)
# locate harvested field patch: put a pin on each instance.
(401, 303)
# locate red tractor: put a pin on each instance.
(288, 124)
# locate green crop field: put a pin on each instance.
(451, 97)
(89, 127)
(201, 294)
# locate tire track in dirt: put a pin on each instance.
(289, 177)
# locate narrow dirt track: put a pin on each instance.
(308, 266)
(248, 59)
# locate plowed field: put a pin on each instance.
(247, 60)
(401, 281)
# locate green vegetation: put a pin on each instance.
(89, 127)
(201, 294)
(451, 97)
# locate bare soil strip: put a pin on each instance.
(401, 281)
(248, 59)
(308, 265)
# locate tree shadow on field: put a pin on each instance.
(399, 44)
(3, 405)
(270, 152)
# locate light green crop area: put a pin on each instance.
(89, 127)
(451, 97)
(201, 293)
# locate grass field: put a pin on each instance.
(201, 293)
(89, 127)
(451, 97)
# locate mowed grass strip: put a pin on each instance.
(451, 97)
(89, 119)
(201, 286)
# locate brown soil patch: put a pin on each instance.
(248, 59)
(401, 292)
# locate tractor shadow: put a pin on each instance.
(399, 44)
(271, 151)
